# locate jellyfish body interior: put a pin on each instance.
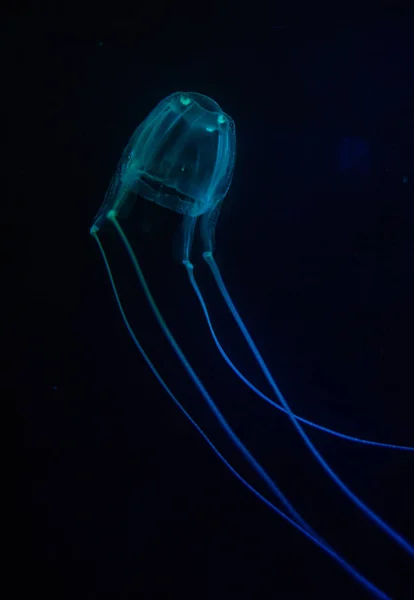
(182, 157)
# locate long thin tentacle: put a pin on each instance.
(314, 538)
(397, 537)
(344, 436)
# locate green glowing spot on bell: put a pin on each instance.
(221, 119)
(209, 128)
(185, 101)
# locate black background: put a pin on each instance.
(118, 496)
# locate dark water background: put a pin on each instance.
(118, 496)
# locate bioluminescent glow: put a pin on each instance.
(182, 157)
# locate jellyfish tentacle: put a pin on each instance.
(397, 537)
(273, 403)
(306, 531)
(196, 380)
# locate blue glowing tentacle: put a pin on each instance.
(235, 439)
(351, 438)
(398, 538)
(314, 538)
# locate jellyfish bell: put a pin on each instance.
(181, 157)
